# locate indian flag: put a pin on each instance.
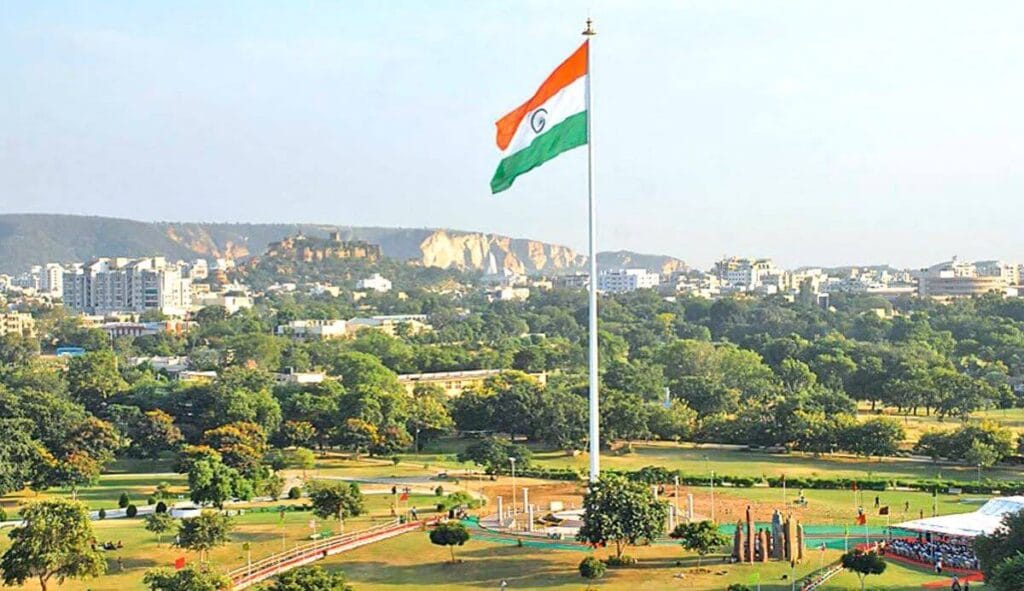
(552, 121)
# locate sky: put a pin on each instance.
(816, 133)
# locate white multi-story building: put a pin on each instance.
(375, 282)
(51, 280)
(744, 273)
(626, 280)
(127, 285)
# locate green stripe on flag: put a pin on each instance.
(570, 133)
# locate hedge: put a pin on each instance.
(661, 475)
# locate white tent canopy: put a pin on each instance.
(985, 520)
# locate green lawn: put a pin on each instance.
(915, 425)
(410, 562)
(695, 459)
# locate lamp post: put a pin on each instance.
(713, 497)
(512, 460)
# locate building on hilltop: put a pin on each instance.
(309, 249)
(374, 282)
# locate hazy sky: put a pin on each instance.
(812, 132)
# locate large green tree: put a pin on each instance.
(55, 542)
(205, 532)
(310, 578)
(620, 512)
(701, 537)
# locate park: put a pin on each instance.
(520, 558)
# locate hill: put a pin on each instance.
(31, 239)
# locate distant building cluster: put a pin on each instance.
(309, 249)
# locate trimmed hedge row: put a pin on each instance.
(661, 475)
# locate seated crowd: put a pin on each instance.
(949, 552)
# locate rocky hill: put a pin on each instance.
(29, 239)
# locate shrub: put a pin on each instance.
(123, 501)
(131, 511)
(151, 500)
(295, 492)
(439, 491)
(3, 514)
(591, 568)
(103, 513)
(161, 507)
(624, 560)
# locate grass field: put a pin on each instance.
(410, 562)
(915, 425)
(695, 459)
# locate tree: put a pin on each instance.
(160, 523)
(591, 568)
(303, 459)
(622, 512)
(701, 537)
(210, 482)
(451, 534)
(55, 542)
(335, 499)
(204, 533)
(1008, 575)
(241, 444)
(190, 578)
(1004, 543)
(19, 454)
(310, 578)
(494, 453)
(123, 500)
(428, 414)
(874, 437)
(93, 379)
(153, 433)
(863, 563)
(297, 433)
(981, 454)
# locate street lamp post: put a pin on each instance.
(713, 497)
(512, 460)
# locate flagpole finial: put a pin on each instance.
(589, 31)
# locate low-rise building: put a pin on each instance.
(17, 323)
(374, 282)
(455, 382)
(315, 329)
(299, 377)
(508, 294)
(626, 280)
(411, 323)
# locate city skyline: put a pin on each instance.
(815, 135)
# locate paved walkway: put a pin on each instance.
(304, 554)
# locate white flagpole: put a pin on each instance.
(595, 418)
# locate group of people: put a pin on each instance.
(940, 553)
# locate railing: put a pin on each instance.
(303, 554)
(823, 577)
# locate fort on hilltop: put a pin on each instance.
(310, 249)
